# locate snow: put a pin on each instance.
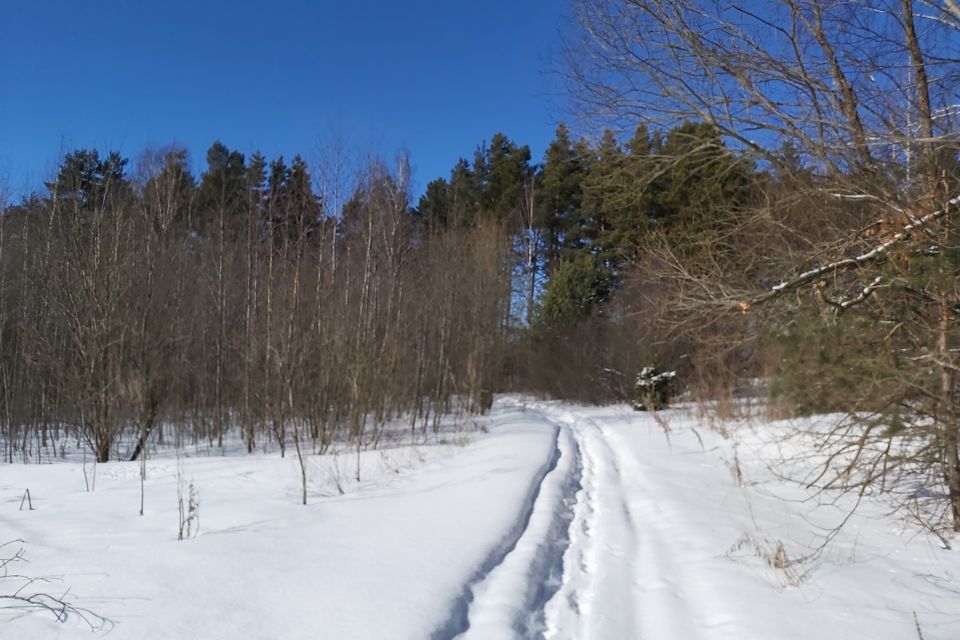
(553, 521)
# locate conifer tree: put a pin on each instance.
(434, 205)
(222, 188)
(560, 211)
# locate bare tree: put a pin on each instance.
(853, 104)
(135, 306)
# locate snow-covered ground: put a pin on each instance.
(555, 521)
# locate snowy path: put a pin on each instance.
(634, 535)
(600, 560)
(594, 537)
(576, 550)
(559, 522)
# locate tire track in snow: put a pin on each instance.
(571, 605)
(460, 620)
(596, 557)
(509, 601)
(569, 572)
(598, 564)
(655, 578)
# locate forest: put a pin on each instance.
(764, 203)
(142, 296)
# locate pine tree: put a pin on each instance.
(89, 182)
(464, 195)
(434, 206)
(616, 199)
(304, 209)
(222, 191)
(505, 167)
(577, 288)
(559, 210)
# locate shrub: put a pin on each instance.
(652, 390)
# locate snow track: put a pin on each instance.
(598, 563)
(576, 549)
(508, 601)
(624, 572)
(512, 546)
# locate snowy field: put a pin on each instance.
(553, 521)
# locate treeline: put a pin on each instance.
(583, 222)
(138, 298)
(149, 303)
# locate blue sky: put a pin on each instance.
(433, 77)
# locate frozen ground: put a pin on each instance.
(558, 522)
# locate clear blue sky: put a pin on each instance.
(435, 77)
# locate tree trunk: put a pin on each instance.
(102, 453)
(950, 428)
(142, 440)
(951, 442)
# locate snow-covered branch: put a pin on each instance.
(847, 264)
(863, 295)
(865, 196)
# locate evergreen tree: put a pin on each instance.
(577, 287)
(256, 182)
(678, 184)
(699, 178)
(559, 209)
(464, 195)
(434, 206)
(304, 209)
(616, 200)
(276, 190)
(222, 187)
(89, 181)
(505, 167)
